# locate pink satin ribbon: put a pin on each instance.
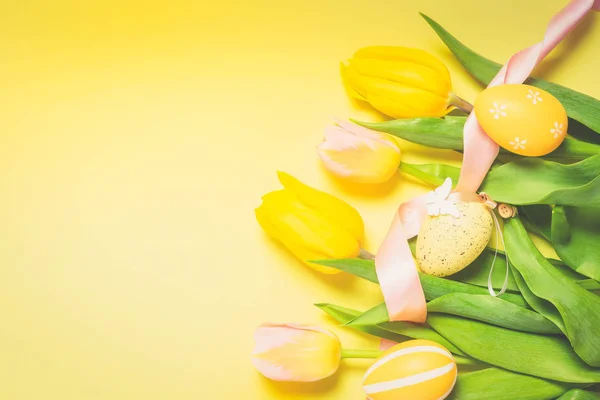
(395, 266)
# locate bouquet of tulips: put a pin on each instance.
(538, 337)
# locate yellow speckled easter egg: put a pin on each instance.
(415, 370)
(523, 119)
(447, 244)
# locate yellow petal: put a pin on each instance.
(399, 110)
(417, 99)
(396, 53)
(397, 100)
(262, 216)
(356, 81)
(304, 231)
(400, 82)
(332, 208)
(406, 73)
(348, 84)
(301, 228)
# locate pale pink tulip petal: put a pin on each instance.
(363, 132)
(268, 336)
(273, 371)
(293, 352)
(359, 154)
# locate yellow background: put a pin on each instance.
(137, 137)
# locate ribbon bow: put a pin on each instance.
(396, 269)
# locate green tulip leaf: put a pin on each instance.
(478, 271)
(433, 287)
(579, 394)
(343, 315)
(579, 106)
(571, 274)
(433, 174)
(528, 181)
(537, 219)
(579, 309)
(439, 133)
(395, 331)
(589, 284)
(536, 181)
(560, 231)
(373, 316)
(492, 310)
(549, 357)
(500, 384)
(544, 307)
(447, 133)
(580, 252)
(379, 313)
(575, 236)
(364, 269)
(474, 275)
(419, 331)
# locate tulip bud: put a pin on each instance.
(400, 82)
(299, 353)
(311, 224)
(359, 154)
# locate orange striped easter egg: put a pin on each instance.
(413, 370)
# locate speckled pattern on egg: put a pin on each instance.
(446, 244)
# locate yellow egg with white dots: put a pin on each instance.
(523, 119)
(415, 370)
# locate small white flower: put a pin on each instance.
(437, 201)
(535, 96)
(498, 110)
(518, 143)
(557, 130)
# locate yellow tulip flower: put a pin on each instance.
(299, 353)
(359, 154)
(312, 224)
(401, 82)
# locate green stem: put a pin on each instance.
(461, 104)
(352, 353)
(366, 255)
(411, 170)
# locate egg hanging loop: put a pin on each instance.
(499, 237)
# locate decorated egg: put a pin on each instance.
(415, 370)
(453, 239)
(522, 119)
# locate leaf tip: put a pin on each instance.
(361, 123)
(425, 17)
